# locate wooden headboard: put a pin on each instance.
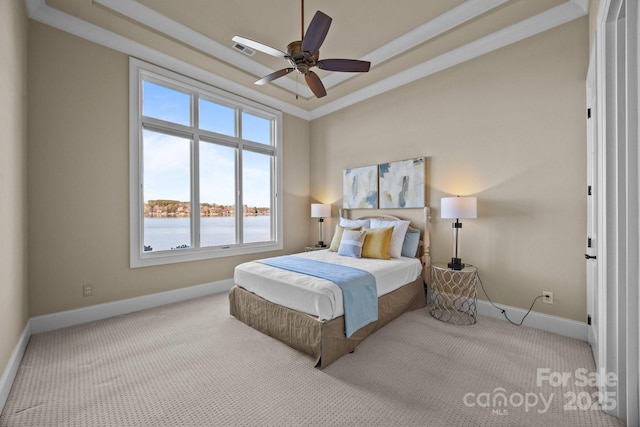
(425, 252)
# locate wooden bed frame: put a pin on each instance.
(325, 341)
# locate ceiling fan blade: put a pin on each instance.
(345, 65)
(259, 46)
(274, 75)
(317, 31)
(315, 84)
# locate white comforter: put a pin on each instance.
(320, 297)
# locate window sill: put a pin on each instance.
(186, 255)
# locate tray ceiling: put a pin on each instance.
(404, 40)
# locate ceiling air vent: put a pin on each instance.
(244, 49)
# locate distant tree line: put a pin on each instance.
(176, 208)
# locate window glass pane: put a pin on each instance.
(256, 194)
(256, 128)
(217, 195)
(166, 104)
(217, 118)
(166, 192)
(186, 211)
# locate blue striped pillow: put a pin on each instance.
(351, 243)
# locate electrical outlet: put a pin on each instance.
(87, 290)
(547, 297)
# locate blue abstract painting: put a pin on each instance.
(402, 184)
(360, 188)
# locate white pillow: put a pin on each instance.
(353, 223)
(397, 237)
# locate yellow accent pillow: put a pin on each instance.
(377, 243)
(337, 237)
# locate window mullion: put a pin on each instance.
(274, 187)
(195, 176)
(274, 211)
(239, 198)
(195, 192)
(175, 130)
(258, 148)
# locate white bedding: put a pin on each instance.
(320, 297)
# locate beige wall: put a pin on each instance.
(509, 128)
(79, 181)
(13, 175)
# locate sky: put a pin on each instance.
(167, 158)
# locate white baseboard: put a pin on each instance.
(546, 322)
(63, 319)
(49, 322)
(9, 374)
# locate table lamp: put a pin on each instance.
(458, 207)
(320, 211)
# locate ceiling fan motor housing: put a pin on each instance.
(299, 59)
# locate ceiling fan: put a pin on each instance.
(304, 54)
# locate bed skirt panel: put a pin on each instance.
(296, 329)
(324, 341)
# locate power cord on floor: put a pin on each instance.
(502, 310)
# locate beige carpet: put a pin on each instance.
(191, 364)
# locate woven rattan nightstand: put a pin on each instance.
(453, 297)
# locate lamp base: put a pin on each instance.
(320, 244)
(456, 264)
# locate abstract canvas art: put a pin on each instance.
(402, 184)
(360, 188)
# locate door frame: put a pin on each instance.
(616, 294)
(595, 331)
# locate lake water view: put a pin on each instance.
(167, 233)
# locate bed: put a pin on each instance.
(307, 313)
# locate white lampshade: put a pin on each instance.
(320, 210)
(458, 207)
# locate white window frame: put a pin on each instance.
(138, 72)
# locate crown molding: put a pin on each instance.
(146, 16)
(582, 4)
(537, 24)
(558, 15)
(431, 29)
(39, 11)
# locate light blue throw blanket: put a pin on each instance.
(359, 292)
